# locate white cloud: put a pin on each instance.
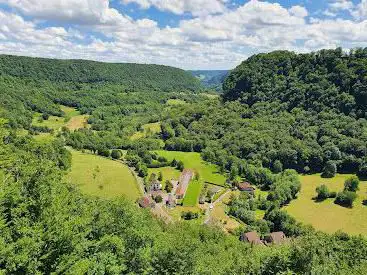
(361, 10)
(195, 7)
(212, 41)
(71, 11)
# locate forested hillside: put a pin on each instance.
(132, 76)
(325, 80)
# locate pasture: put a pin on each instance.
(97, 176)
(208, 172)
(327, 216)
(192, 194)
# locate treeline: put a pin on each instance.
(133, 77)
(328, 79)
(48, 226)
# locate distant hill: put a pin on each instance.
(324, 80)
(131, 76)
(211, 79)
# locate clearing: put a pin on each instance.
(327, 216)
(208, 172)
(173, 102)
(147, 130)
(98, 176)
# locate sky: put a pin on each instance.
(189, 34)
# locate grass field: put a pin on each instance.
(327, 216)
(73, 120)
(173, 102)
(148, 129)
(192, 193)
(102, 177)
(208, 172)
(168, 173)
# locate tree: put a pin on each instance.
(169, 186)
(362, 171)
(116, 154)
(158, 199)
(346, 198)
(174, 163)
(322, 192)
(277, 166)
(351, 184)
(329, 170)
(180, 165)
(160, 176)
(104, 152)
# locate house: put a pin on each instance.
(185, 178)
(155, 185)
(276, 238)
(171, 201)
(246, 187)
(145, 202)
(251, 237)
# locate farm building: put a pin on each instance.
(145, 202)
(185, 178)
(251, 237)
(276, 238)
(246, 187)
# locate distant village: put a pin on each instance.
(175, 191)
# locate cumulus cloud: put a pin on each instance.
(71, 11)
(361, 10)
(195, 7)
(214, 41)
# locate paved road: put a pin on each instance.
(213, 204)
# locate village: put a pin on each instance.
(160, 200)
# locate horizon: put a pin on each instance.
(187, 34)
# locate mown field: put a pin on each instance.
(208, 172)
(102, 177)
(327, 216)
(192, 193)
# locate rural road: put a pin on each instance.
(208, 210)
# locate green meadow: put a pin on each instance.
(192, 193)
(147, 129)
(208, 172)
(327, 216)
(98, 176)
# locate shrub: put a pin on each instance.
(322, 192)
(116, 154)
(351, 184)
(168, 186)
(329, 170)
(104, 152)
(180, 165)
(189, 215)
(158, 199)
(346, 198)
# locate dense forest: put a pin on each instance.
(279, 111)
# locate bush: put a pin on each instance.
(158, 199)
(189, 215)
(180, 165)
(322, 192)
(351, 184)
(329, 170)
(346, 198)
(116, 154)
(168, 186)
(104, 153)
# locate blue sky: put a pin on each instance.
(190, 34)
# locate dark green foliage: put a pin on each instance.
(351, 184)
(135, 77)
(329, 170)
(180, 165)
(104, 152)
(323, 192)
(158, 199)
(168, 186)
(189, 215)
(346, 198)
(316, 81)
(116, 154)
